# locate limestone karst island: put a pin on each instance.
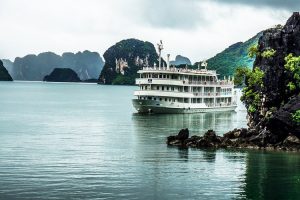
(138, 99)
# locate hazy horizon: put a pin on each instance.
(192, 28)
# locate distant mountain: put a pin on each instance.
(9, 66)
(62, 75)
(180, 60)
(4, 75)
(87, 65)
(234, 56)
(124, 59)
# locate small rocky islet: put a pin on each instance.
(62, 75)
(271, 96)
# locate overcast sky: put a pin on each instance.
(197, 29)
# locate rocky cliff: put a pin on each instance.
(9, 66)
(34, 67)
(62, 75)
(273, 102)
(124, 59)
(4, 75)
(271, 96)
(180, 60)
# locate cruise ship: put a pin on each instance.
(165, 89)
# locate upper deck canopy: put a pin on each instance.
(174, 70)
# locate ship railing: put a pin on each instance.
(207, 83)
(185, 70)
(185, 82)
(210, 94)
(219, 104)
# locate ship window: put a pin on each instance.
(154, 98)
(167, 88)
(166, 99)
(162, 87)
(157, 87)
(160, 99)
(164, 76)
(172, 88)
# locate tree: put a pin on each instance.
(240, 75)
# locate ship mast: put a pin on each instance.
(204, 64)
(160, 48)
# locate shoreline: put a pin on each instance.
(238, 139)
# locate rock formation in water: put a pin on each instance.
(274, 103)
(62, 75)
(4, 75)
(124, 59)
(271, 95)
(180, 60)
(238, 138)
(86, 64)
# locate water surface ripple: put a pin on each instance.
(82, 141)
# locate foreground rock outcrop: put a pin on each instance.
(271, 96)
(238, 138)
(277, 103)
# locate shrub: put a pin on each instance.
(253, 51)
(268, 53)
(296, 117)
(292, 64)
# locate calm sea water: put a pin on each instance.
(83, 141)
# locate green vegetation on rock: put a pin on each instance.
(292, 64)
(268, 53)
(253, 51)
(296, 117)
(240, 75)
(251, 95)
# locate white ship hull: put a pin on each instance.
(152, 106)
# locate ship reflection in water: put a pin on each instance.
(247, 174)
(197, 123)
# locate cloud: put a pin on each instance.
(175, 14)
(193, 28)
(289, 5)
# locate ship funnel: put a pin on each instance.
(168, 61)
